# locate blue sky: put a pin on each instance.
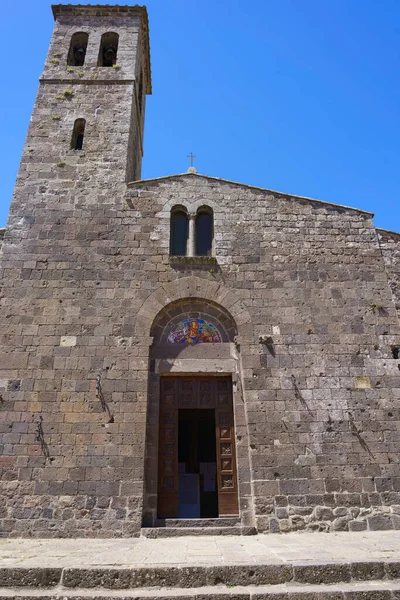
(300, 96)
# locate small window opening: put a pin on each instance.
(77, 134)
(204, 233)
(179, 233)
(141, 94)
(108, 50)
(396, 352)
(77, 49)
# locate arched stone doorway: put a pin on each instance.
(194, 398)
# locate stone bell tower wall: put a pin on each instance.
(52, 176)
(61, 241)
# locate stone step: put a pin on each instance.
(164, 532)
(228, 576)
(218, 522)
(370, 590)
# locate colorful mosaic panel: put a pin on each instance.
(194, 331)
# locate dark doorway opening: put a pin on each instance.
(196, 415)
(197, 464)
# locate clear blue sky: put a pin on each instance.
(301, 96)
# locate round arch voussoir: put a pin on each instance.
(191, 287)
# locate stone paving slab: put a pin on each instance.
(371, 590)
(300, 548)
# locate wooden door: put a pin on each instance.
(226, 454)
(168, 449)
(196, 393)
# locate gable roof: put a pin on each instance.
(189, 174)
(388, 232)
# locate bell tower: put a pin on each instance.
(86, 132)
(71, 254)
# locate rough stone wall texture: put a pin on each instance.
(322, 395)
(65, 202)
(2, 233)
(321, 400)
(85, 271)
(389, 242)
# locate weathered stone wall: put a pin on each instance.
(51, 173)
(61, 253)
(389, 242)
(320, 392)
(2, 233)
(85, 272)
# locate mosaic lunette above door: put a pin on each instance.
(194, 331)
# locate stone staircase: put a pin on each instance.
(372, 580)
(197, 527)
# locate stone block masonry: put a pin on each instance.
(50, 357)
(322, 398)
(85, 272)
(389, 242)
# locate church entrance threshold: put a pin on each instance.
(197, 461)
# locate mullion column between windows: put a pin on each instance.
(191, 245)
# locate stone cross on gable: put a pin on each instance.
(191, 156)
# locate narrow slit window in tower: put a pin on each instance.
(77, 49)
(140, 94)
(108, 49)
(78, 134)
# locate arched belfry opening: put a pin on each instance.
(77, 49)
(191, 465)
(108, 49)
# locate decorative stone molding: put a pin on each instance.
(189, 261)
(194, 287)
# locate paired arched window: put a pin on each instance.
(204, 232)
(77, 49)
(191, 235)
(77, 134)
(107, 54)
(179, 232)
(108, 49)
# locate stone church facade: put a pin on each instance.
(183, 350)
